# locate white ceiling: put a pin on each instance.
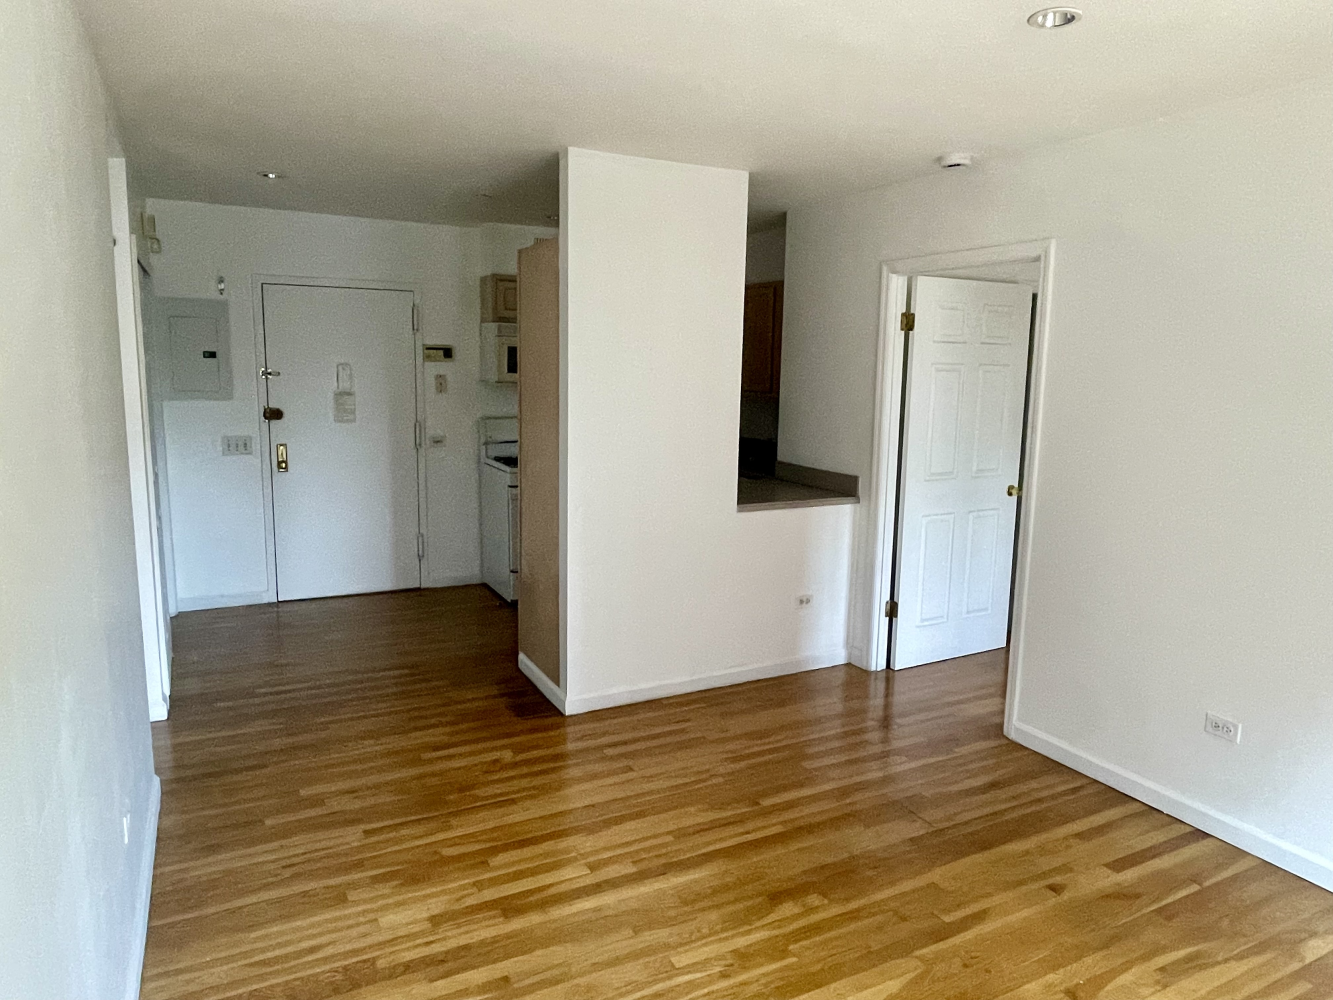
(414, 109)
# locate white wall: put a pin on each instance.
(75, 758)
(1182, 537)
(667, 587)
(217, 512)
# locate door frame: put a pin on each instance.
(151, 569)
(257, 283)
(875, 578)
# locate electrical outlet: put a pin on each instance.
(238, 444)
(441, 383)
(804, 601)
(1223, 729)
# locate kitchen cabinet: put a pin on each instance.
(499, 298)
(761, 351)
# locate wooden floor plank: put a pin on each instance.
(363, 799)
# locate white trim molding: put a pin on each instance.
(870, 586)
(224, 601)
(543, 683)
(1236, 832)
(740, 675)
(144, 894)
(454, 580)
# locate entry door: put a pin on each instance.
(962, 434)
(342, 368)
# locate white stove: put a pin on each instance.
(499, 505)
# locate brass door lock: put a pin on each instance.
(1014, 491)
(282, 458)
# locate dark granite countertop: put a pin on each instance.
(795, 486)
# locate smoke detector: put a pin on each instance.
(951, 160)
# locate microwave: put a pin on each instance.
(499, 352)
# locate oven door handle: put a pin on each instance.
(513, 529)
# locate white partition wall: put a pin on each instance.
(1182, 514)
(667, 586)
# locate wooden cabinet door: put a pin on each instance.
(499, 298)
(506, 299)
(761, 351)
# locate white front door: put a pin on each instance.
(962, 435)
(344, 454)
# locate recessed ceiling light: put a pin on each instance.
(951, 160)
(270, 175)
(1055, 17)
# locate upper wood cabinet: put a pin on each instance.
(761, 352)
(499, 298)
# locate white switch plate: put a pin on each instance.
(238, 444)
(1223, 729)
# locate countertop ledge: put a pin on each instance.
(745, 508)
(796, 486)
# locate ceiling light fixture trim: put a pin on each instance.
(951, 161)
(270, 175)
(1055, 17)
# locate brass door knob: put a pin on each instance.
(1015, 491)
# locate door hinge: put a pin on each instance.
(907, 323)
(416, 317)
(421, 546)
(890, 609)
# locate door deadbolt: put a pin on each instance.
(272, 413)
(282, 458)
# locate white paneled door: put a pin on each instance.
(962, 437)
(341, 366)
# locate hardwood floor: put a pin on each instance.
(363, 798)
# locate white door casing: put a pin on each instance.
(155, 622)
(346, 513)
(962, 441)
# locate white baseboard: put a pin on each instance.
(268, 597)
(456, 580)
(223, 601)
(857, 657)
(544, 684)
(651, 692)
(1296, 860)
(144, 890)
